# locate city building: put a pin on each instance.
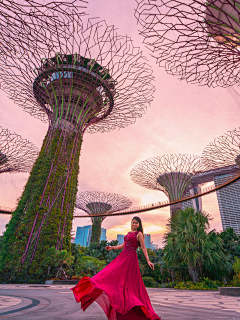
(120, 238)
(193, 203)
(229, 203)
(83, 235)
(147, 239)
(154, 246)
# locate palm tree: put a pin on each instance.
(189, 241)
(231, 243)
(63, 257)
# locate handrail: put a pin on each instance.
(6, 210)
(166, 203)
(153, 206)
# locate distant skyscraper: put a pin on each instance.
(193, 203)
(229, 203)
(103, 236)
(154, 246)
(120, 238)
(83, 235)
(147, 241)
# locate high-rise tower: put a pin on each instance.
(229, 203)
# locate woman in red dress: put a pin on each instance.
(119, 288)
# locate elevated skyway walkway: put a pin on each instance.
(211, 173)
(208, 176)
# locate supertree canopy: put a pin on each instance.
(223, 151)
(173, 174)
(195, 40)
(95, 203)
(93, 81)
(16, 154)
(30, 22)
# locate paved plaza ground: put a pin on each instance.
(24, 302)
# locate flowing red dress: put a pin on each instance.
(118, 288)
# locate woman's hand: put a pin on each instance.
(151, 265)
(108, 248)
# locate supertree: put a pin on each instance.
(195, 40)
(31, 22)
(94, 81)
(173, 174)
(16, 154)
(223, 151)
(95, 202)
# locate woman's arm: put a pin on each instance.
(144, 250)
(120, 246)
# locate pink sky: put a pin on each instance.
(183, 118)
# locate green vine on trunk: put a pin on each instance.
(48, 199)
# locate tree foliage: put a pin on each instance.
(189, 241)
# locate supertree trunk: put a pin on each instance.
(46, 206)
(175, 208)
(96, 230)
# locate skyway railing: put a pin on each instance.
(162, 204)
(153, 206)
(6, 210)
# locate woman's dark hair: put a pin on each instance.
(140, 228)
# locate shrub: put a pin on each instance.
(235, 282)
(149, 282)
(76, 278)
(88, 266)
(236, 279)
(205, 284)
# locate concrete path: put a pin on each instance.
(38, 302)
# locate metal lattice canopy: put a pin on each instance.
(173, 174)
(16, 154)
(28, 23)
(94, 79)
(96, 202)
(196, 40)
(223, 151)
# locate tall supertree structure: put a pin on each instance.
(195, 40)
(94, 81)
(95, 203)
(173, 174)
(16, 154)
(224, 152)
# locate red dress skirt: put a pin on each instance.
(118, 288)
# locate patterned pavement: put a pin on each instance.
(41, 302)
(197, 299)
(6, 301)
